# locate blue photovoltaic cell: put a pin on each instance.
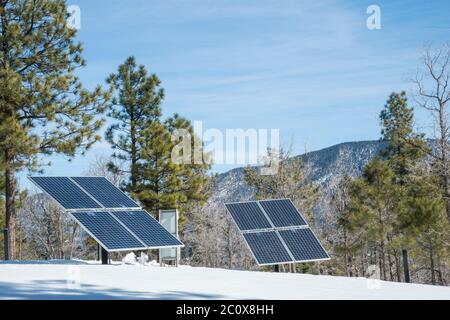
(65, 192)
(105, 192)
(283, 213)
(303, 244)
(267, 248)
(248, 216)
(150, 231)
(108, 231)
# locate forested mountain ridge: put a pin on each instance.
(326, 165)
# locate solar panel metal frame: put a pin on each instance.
(144, 247)
(277, 229)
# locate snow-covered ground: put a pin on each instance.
(82, 280)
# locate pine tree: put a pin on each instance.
(405, 147)
(423, 220)
(143, 141)
(43, 106)
(396, 203)
(135, 106)
(404, 153)
(373, 213)
(162, 183)
(417, 208)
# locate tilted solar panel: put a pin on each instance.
(303, 244)
(105, 192)
(147, 228)
(122, 230)
(65, 192)
(108, 231)
(276, 232)
(248, 216)
(267, 248)
(282, 213)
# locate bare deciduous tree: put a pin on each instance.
(50, 233)
(433, 94)
(99, 167)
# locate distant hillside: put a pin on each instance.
(327, 164)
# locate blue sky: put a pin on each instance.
(309, 68)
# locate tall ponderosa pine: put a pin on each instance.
(405, 147)
(404, 153)
(420, 206)
(396, 203)
(143, 141)
(372, 215)
(135, 106)
(43, 106)
(423, 221)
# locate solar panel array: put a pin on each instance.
(107, 214)
(276, 232)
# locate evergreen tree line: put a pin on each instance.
(396, 209)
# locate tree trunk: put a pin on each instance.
(433, 274)
(346, 267)
(391, 273)
(10, 206)
(382, 261)
(447, 196)
(230, 247)
(133, 168)
(397, 266)
(443, 145)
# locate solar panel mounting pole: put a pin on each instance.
(405, 265)
(105, 256)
